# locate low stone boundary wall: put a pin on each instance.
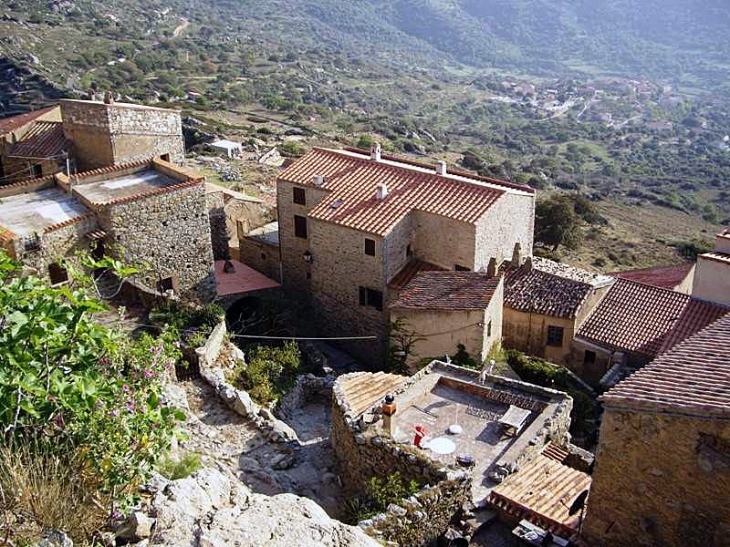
(208, 354)
(308, 387)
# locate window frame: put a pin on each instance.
(56, 270)
(592, 361)
(550, 338)
(371, 298)
(372, 243)
(300, 227)
(299, 196)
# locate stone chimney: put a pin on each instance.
(441, 168)
(492, 268)
(318, 180)
(517, 255)
(376, 151)
(528, 263)
(381, 191)
(388, 409)
(108, 97)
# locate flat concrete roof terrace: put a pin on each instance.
(33, 212)
(106, 191)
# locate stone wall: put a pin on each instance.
(444, 241)
(660, 479)
(170, 232)
(527, 332)
(260, 256)
(219, 235)
(712, 280)
(365, 454)
(509, 221)
(112, 134)
(339, 269)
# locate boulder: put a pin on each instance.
(55, 538)
(136, 527)
(210, 510)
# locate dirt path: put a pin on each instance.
(181, 27)
(237, 448)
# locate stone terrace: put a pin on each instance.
(26, 214)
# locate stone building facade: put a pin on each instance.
(662, 474)
(111, 134)
(151, 211)
(349, 222)
(712, 274)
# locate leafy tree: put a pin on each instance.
(557, 223)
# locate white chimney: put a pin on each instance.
(381, 191)
(318, 180)
(441, 168)
(375, 152)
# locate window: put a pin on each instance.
(300, 198)
(589, 357)
(98, 251)
(37, 171)
(489, 329)
(459, 268)
(409, 252)
(555, 336)
(300, 226)
(165, 157)
(370, 297)
(166, 284)
(57, 273)
(369, 247)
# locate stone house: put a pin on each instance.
(259, 249)
(662, 473)
(445, 309)
(151, 210)
(545, 303)
(351, 221)
(226, 209)
(632, 325)
(26, 150)
(115, 133)
(712, 275)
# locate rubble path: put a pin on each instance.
(236, 447)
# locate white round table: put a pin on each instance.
(441, 445)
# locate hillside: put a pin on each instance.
(624, 102)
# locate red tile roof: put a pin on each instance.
(7, 125)
(542, 492)
(717, 257)
(641, 319)
(409, 271)
(694, 377)
(667, 277)
(43, 140)
(240, 281)
(352, 179)
(530, 290)
(448, 291)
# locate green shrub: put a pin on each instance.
(270, 372)
(379, 494)
(173, 469)
(463, 359)
(78, 389)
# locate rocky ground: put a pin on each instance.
(238, 449)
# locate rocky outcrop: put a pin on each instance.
(207, 509)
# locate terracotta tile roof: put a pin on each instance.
(241, 280)
(351, 181)
(557, 453)
(541, 492)
(409, 271)
(448, 291)
(7, 125)
(717, 257)
(644, 319)
(528, 289)
(667, 277)
(693, 377)
(43, 140)
(361, 390)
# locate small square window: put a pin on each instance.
(300, 197)
(166, 284)
(589, 357)
(57, 273)
(37, 171)
(555, 336)
(371, 297)
(458, 268)
(300, 226)
(370, 247)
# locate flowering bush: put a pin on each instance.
(77, 388)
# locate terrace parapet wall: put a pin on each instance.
(366, 453)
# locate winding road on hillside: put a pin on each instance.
(181, 27)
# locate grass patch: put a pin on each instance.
(174, 469)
